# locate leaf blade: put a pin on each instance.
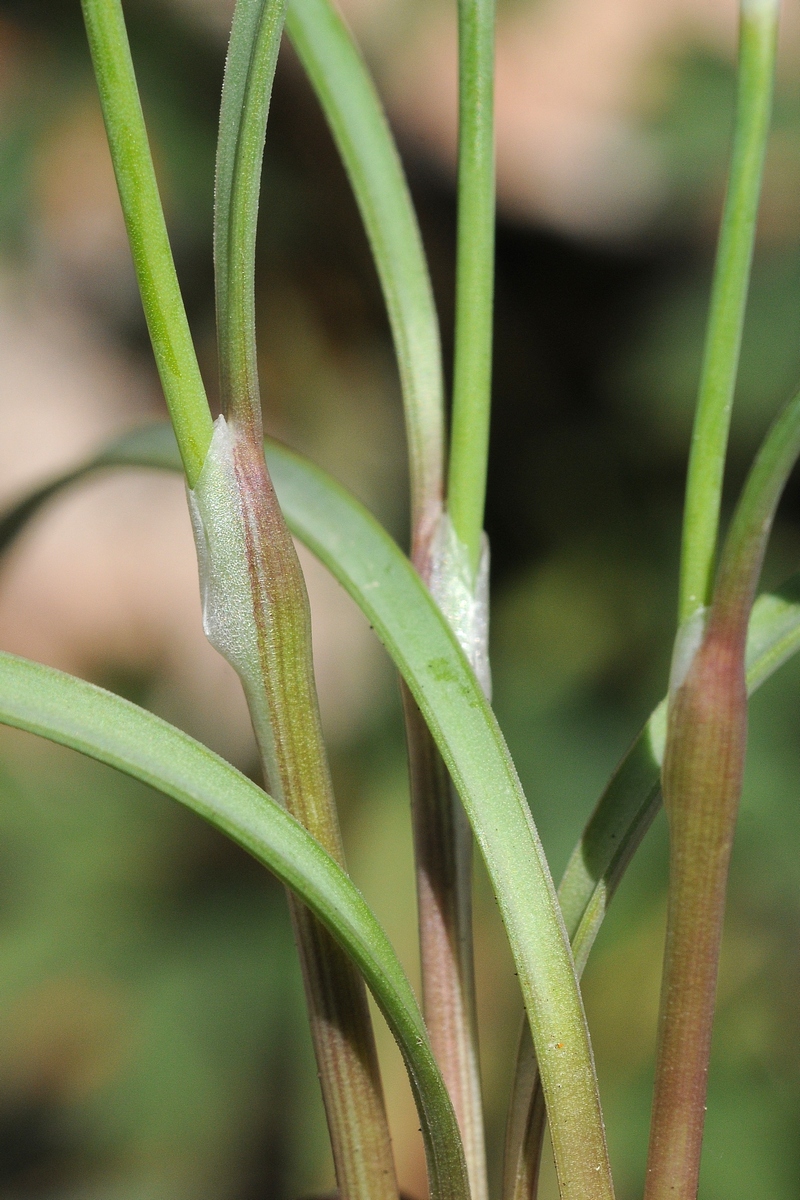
(357, 121)
(92, 721)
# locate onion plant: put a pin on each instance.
(249, 498)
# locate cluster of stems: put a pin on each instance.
(256, 608)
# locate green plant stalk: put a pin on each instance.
(472, 377)
(443, 858)
(355, 115)
(702, 782)
(111, 730)
(256, 614)
(442, 837)
(147, 233)
(757, 49)
(443, 844)
(246, 92)
(266, 634)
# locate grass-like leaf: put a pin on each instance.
(114, 731)
(382, 581)
(147, 232)
(355, 115)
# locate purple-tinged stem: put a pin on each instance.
(262, 623)
(702, 784)
(443, 855)
(255, 612)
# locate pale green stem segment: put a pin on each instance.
(118, 733)
(443, 845)
(757, 48)
(472, 377)
(256, 612)
(356, 118)
(246, 92)
(702, 783)
(395, 601)
(147, 232)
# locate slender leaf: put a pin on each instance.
(357, 121)
(147, 232)
(757, 46)
(114, 731)
(249, 74)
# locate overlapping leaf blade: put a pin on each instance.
(114, 731)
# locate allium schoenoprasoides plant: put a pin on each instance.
(247, 498)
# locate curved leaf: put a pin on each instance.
(114, 731)
(355, 115)
(163, 305)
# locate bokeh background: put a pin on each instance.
(154, 1042)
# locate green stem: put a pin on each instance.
(757, 47)
(702, 783)
(745, 544)
(441, 833)
(472, 381)
(256, 613)
(246, 93)
(147, 232)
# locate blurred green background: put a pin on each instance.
(154, 1040)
